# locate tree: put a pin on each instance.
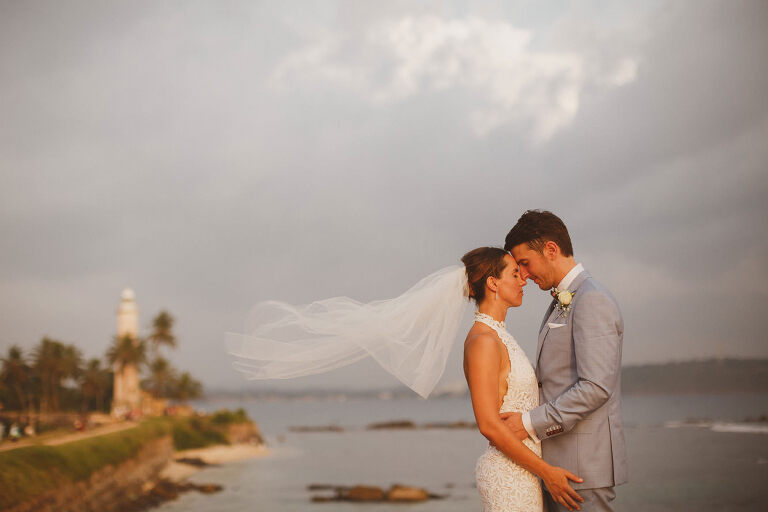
(127, 350)
(71, 363)
(54, 362)
(161, 378)
(162, 332)
(15, 374)
(47, 364)
(186, 388)
(94, 382)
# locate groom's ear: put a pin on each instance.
(551, 250)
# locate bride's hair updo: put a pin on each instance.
(482, 263)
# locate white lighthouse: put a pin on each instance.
(128, 315)
(127, 394)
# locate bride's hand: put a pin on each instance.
(556, 480)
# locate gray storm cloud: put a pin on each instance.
(211, 156)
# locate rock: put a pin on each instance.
(244, 433)
(364, 493)
(165, 490)
(209, 488)
(319, 428)
(325, 487)
(397, 493)
(193, 461)
(402, 424)
(453, 425)
(404, 493)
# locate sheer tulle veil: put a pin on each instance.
(410, 336)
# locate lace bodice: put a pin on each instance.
(522, 387)
(503, 485)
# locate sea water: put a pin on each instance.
(678, 458)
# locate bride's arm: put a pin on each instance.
(482, 359)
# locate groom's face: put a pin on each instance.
(534, 266)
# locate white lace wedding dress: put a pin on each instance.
(503, 485)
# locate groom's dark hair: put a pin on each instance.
(536, 228)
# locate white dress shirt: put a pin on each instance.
(562, 285)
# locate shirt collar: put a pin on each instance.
(570, 276)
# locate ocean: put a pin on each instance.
(686, 453)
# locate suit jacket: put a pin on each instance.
(578, 366)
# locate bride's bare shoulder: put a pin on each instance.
(481, 338)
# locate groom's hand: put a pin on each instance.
(557, 482)
(514, 421)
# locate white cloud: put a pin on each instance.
(623, 73)
(394, 60)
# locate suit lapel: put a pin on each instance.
(544, 329)
(546, 316)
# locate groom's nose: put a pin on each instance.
(524, 274)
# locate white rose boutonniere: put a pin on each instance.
(564, 299)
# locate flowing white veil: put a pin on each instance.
(410, 336)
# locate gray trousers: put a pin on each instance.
(595, 500)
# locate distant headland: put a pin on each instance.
(699, 376)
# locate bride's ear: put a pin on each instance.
(491, 283)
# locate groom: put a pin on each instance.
(578, 363)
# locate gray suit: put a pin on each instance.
(578, 365)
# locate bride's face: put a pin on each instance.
(510, 283)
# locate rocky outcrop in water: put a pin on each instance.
(393, 425)
(318, 428)
(365, 493)
(165, 490)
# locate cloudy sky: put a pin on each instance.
(214, 154)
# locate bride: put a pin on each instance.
(501, 380)
(411, 336)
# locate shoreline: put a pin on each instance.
(123, 466)
(211, 456)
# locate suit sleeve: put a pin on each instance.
(597, 335)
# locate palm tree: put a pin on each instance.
(55, 362)
(15, 374)
(71, 362)
(47, 364)
(162, 332)
(161, 379)
(93, 383)
(187, 388)
(127, 350)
